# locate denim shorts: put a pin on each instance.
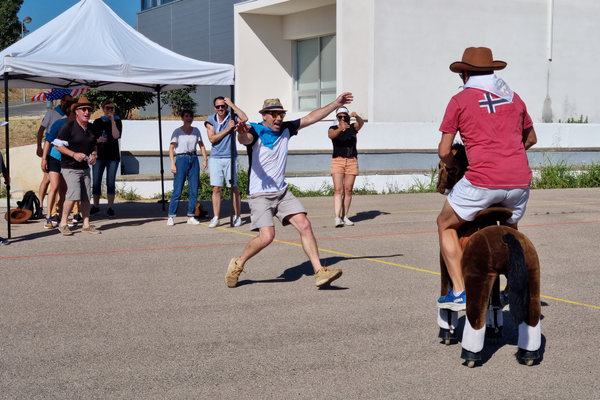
(220, 169)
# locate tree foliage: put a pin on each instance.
(179, 100)
(10, 26)
(125, 102)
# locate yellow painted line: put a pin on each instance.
(399, 265)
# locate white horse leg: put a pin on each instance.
(530, 338)
(446, 322)
(473, 339)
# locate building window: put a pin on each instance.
(146, 4)
(315, 80)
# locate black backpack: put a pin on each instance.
(31, 202)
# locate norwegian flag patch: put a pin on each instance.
(492, 104)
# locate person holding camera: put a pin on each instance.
(344, 163)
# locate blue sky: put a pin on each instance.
(43, 11)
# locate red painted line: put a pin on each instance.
(121, 251)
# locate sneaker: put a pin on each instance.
(193, 221)
(64, 229)
(347, 222)
(94, 210)
(170, 221)
(504, 299)
(214, 222)
(90, 229)
(453, 302)
(233, 273)
(338, 222)
(49, 224)
(55, 220)
(237, 221)
(78, 218)
(110, 213)
(71, 222)
(326, 275)
(3, 241)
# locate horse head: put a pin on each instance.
(448, 176)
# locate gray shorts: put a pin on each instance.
(265, 206)
(78, 183)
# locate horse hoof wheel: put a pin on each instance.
(529, 362)
(471, 363)
(447, 342)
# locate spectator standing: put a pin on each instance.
(4, 173)
(184, 165)
(344, 163)
(51, 116)
(77, 154)
(218, 128)
(107, 130)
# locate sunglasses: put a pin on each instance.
(221, 106)
(109, 108)
(276, 114)
(341, 116)
(85, 109)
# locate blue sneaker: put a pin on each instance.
(453, 302)
(3, 241)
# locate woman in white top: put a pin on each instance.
(184, 164)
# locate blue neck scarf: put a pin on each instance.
(103, 118)
(267, 136)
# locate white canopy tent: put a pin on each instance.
(90, 46)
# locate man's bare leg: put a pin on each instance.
(216, 201)
(309, 243)
(448, 222)
(264, 238)
(237, 201)
(43, 188)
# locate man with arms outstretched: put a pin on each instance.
(269, 196)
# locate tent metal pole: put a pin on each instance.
(232, 177)
(7, 152)
(160, 143)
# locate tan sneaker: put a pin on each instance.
(233, 273)
(326, 275)
(64, 229)
(90, 229)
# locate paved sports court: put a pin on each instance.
(142, 311)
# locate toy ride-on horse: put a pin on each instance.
(490, 249)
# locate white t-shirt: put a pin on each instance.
(267, 170)
(185, 143)
(51, 117)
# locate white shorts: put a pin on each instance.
(467, 200)
(220, 169)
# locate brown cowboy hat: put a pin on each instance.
(272, 105)
(18, 215)
(81, 102)
(477, 59)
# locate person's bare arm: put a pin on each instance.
(334, 132)
(215, 137)
(40, 138)
(244, 135)
(242, 117)
(172, 157)
(319, 114)
(359, 121)
(529, 137)
(445, 148)
(203, 150)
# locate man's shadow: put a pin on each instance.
(305, 269)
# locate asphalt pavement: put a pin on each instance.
(27, 109)
(142, 310)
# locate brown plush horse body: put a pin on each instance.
(489, 250)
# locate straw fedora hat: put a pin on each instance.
(477, 59)
(81, 102)
(18, 215)
(272, 105)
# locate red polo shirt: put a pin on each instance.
(492, 130)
